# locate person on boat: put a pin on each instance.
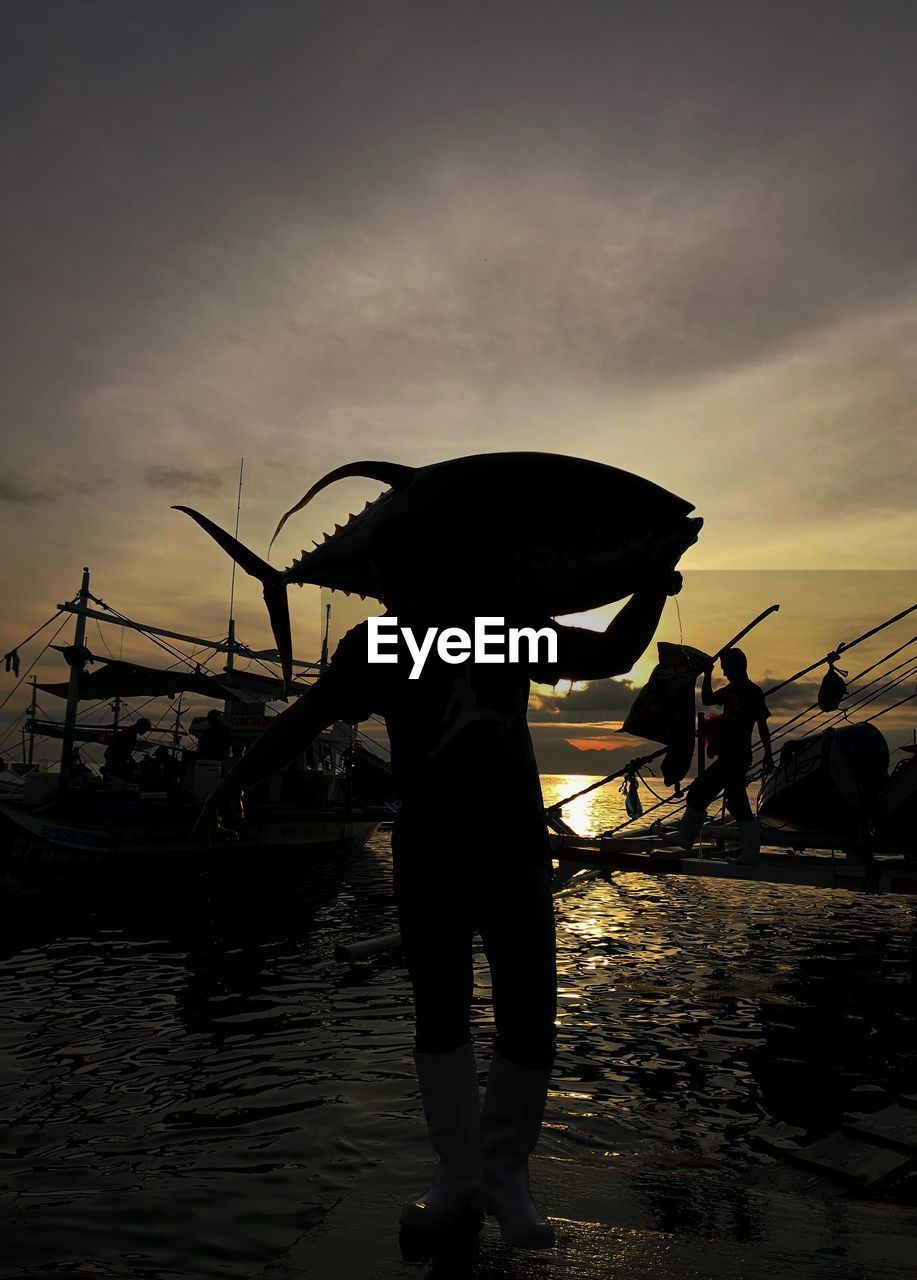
(119, 754)
(743, 709)
(168, 771)
(470, 854)
(215, 742)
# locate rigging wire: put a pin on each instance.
(157, 640)
(816, 711)
(37, 659)
(22, 644)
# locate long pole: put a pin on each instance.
(269, 655)
(232, 584)
(73, 687)
(841, 648)
(773, 608)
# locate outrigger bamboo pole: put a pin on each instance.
(836, 653)
(772, 608)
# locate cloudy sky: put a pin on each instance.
(677, 237)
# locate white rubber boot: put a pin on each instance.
(681, 841)
(452, 1107)
(510, 1125)
(749, 843)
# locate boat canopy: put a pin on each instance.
(99, 733)
(117, 679)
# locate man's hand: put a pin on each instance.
(224, 800)
(767, 765)
(668, 581)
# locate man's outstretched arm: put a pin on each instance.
(286, 735)
(595, 655)
(765, 735)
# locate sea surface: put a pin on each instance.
(189, 1079)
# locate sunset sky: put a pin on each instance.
(679, 238)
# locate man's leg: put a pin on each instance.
(517, 928)
(738, 804)
(436, 930)
(702, 790)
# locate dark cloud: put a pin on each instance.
(17, 488)
(600, 700)
(181, 480)
(23, 491)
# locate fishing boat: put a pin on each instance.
(74, 817)
(896, 812)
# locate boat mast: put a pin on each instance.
(176, 728)
(231, 629)
(323, 661)
(73, 688)
(33, 711)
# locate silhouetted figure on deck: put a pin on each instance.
(215, 742)
(119, 754)
(470, 852)
(729, 734)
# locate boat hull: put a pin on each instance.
(896, 815)
(827, 783)
(164, 830)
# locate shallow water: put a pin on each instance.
(189, 1080)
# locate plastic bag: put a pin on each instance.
(633, 805)
(663, 710)
(666, 701)
(833, 689)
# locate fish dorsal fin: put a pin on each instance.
(395, 474)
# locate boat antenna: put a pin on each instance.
(232, 584)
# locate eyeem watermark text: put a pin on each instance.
(491, 641)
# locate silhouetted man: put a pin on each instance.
(744, 708)
(119, 754)
(470, 852)
(214, 742)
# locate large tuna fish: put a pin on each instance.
(553, 534)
